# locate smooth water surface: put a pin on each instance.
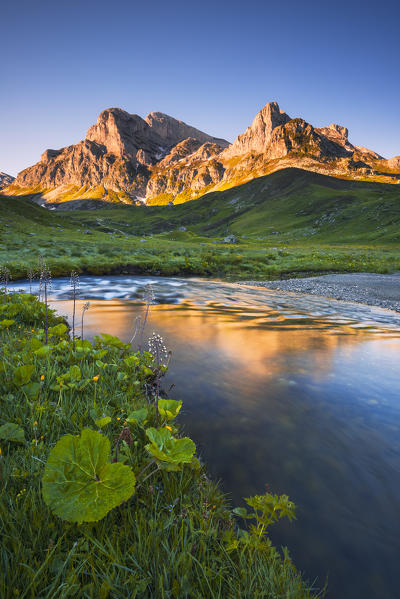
(296, 393)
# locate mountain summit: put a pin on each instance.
(161, 160)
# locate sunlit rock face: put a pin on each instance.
(258, 137)
(125, 157)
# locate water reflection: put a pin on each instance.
(299, 393)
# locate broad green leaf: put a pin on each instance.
(131, 361)
(272, 507)
(5, 324)
(23, 374)
(195, 464)
(12, 432)
(44, 351)
(31, 389)
(82, 344)
(62, 345)
(169, 408)
(166, 448)
(35, 343)
(75, 373)
(80, 484)
(111, 341)
(58, 330)
(13, 310)
(241, 511)
(138, 416)
(102, 422)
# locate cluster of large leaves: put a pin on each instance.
(171, 453)
(169, 408)
(12, 432)
(267, 509)
(80, 484)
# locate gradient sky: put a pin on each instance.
(212, 64)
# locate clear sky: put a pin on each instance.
(212, 64)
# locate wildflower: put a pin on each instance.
(41, 437)
(96, 378)
(158, 350)
(42, 377)
(118, 418)
(168, 427)
(35, 423)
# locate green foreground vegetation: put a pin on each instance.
(100, 495)
(289, 223)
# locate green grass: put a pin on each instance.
(175, 538)
(289, 223)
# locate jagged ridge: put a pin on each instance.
(160, 159)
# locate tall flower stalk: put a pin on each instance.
(5, 277)
(85, 308)
(75, 286)
(31, 275)
(149, 299)
(161, 356)
(45, 286)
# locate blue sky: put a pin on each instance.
(213, 64)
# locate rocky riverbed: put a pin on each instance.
(366, 288)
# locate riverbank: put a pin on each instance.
(381, 290)
(151, 524)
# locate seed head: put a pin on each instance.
(74, 281)
(158, 350)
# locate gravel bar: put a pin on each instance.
(365, 288)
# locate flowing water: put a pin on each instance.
(298, 393)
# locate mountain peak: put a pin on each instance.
(173, 131)
(336, 133)
(118, 131)
(161, 158)
(257, 137)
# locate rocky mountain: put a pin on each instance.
(162, 160)
(5, 179)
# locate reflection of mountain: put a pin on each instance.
(251, 343)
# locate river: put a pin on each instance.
(296, 394)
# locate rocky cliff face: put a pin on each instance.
(116, 156)
(5, 179)
(257, 138)
(159, 158)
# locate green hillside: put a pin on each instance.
(289, 222)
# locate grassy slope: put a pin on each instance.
(292, 221)
(174, 538)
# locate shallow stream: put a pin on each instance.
(298, 393)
